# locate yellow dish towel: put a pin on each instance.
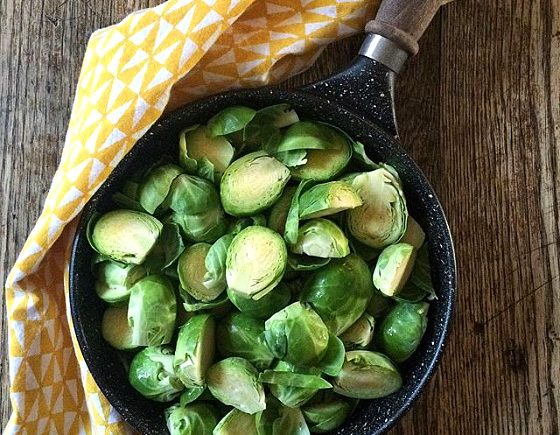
(154, 59)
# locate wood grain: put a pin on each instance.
(479, 109)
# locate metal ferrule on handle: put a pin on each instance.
(384, 51)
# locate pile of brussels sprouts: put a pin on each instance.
(268, 278)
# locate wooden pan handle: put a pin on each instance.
(404, 21)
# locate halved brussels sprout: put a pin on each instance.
(328, 198)
(236, 422)
(297, 335)
(325, 164)
(393, 268)
(198, 146)
(381, 220)
(321, 238)
(194, 352)
(256, 261)
(195, 419)
(360, 334)
(217, 306)
(279, 211)
(326, 412)
(191, 269)
(367, 375)
(114, 280)
(124, 235)
(266, 306)
(252, 183)
(291, 385)
(234, 382)
(243, 336)
(151, 374)
(152, 309)
(156, 186)
(230, 120)
(339, 292)
(115, 328)
(267, 123)
(277, 419)
(402, 330)
(414, 234)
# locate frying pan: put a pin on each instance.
(360, 101)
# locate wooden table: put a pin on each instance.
(479, 110)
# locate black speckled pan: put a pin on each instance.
(360, 101)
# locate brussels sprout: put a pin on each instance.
(114, 280)
(360, 334)
(393, 268)
(243, 336)
(192, 271)
(279, 211)
(194, 352)
(367, 375)
(326, 412)
(198, 147)
(325, 164)
(332, 361)
(296, 334)
(190, 394)
(236, 422)
(127, 197)
(215, 263)
(151, 374)
(421, 277)
(195, 419)
(167, 249)
(368, 253)
(267, 123)
(339, 292)
(152, 310)
(291, 385)
(303, 263)
(414, 234)
(156, 185)
(321, 238)
(124, 235)
(266, 306)
(256, 261)
(252, 184)
(230, 120)
(190, 195)
(115, 328)
(379, 304)
(291, 226)
(244, 222)
(381, 220)
(402, 330)
(328, 198)
(305, 135)
(202, 227)
(234, 382)
(277, 419)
